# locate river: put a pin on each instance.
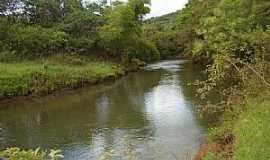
(147, 115)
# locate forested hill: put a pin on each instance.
(162, 32)
(165, 20)
(233, 38)
(173, 33)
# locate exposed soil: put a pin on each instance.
(222, 147)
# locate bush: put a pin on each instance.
(34, 41)
(145, 50)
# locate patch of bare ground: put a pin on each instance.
(222, 147)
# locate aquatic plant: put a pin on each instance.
(38, 154)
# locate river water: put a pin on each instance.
(148, 115)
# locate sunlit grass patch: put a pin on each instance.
(46, 76)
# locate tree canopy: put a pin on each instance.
(43, 28)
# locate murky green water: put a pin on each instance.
(148, 115)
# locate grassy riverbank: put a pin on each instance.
(41, 77)
(252, 132)
(241, 137)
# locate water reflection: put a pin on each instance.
(148, 110)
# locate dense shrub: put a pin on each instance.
(144, 50)
(34, 41)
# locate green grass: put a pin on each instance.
(44, 77)
(252, 132)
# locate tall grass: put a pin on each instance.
(43, 77)
(252, 132)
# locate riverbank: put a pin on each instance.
(241, 137)
(43, 77)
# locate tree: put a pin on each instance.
(122, 34)
(43, 12)
(70, 6)
(140, 8)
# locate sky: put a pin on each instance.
(161, 7)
